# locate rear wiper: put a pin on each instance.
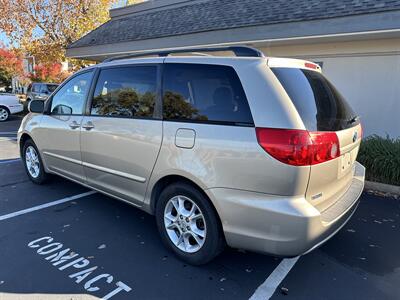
(352, 120)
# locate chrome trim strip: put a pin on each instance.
(103, 169)
(95, 189)
(75, 161)
(114, 172)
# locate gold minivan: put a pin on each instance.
(247, 151)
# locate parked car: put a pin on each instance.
(9, 104)
(253, 152)
(40, 91)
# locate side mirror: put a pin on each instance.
(36, 106)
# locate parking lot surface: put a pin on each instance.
(91, 246)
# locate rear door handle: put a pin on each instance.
(88, 126)
(74, 125)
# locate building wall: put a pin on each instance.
(367, 73)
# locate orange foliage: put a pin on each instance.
(48, 73)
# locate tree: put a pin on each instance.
(11, 65)
(43, 28)
(48, 73)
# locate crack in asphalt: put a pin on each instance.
(13, 183)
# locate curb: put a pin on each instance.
(382, 187)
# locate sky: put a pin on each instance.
(4, 40)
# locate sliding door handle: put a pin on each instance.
(74, 125)
(88, 126)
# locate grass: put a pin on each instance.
(381, 157)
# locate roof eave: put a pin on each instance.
(360, 27)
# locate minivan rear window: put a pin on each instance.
(318, 102)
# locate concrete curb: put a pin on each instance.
(382, 187)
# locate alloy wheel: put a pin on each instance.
(3, 114)
(185, 224)
(32, 162)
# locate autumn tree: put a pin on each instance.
(43, 28)
(11, 65)
(48, 73)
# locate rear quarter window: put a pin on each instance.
(204, 93)
(318, 102)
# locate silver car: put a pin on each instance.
(246, 151)
(40, 91)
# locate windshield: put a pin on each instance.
(318, 102)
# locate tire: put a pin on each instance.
(4, 114)
(33, 167)
(203, 221)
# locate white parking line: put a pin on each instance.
(7, 161)
(7, 139)
(267, 289)
(34, 208)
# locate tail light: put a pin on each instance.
(299, 147)
(311, 65)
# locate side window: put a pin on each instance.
(208, 93)
(36, 88)
(126, 92)
(70, 99)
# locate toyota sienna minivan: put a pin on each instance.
(252, 152)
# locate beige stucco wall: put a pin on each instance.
(366, 72)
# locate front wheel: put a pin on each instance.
(188, 224)
(33, 163)
(4, 114)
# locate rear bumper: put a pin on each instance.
(282, 226)
(16, 108)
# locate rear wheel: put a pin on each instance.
(188, 224)
(33, 163)
(4, 114)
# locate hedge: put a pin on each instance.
(381, 158)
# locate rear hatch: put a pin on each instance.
(323, 109)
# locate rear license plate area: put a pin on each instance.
(345, 164)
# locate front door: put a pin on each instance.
(121, 137)
(59, 134)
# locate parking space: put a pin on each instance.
(119, 240)
(93, 246)
(361, 262)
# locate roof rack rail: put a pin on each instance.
(240, 51)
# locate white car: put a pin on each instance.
(9, 104)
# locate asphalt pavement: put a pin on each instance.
(91, 246)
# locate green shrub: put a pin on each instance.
(381, 158)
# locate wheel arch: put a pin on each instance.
(4, 106)
(167, 180)
(24, 137)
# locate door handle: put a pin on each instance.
(74, 125)
(88, 126)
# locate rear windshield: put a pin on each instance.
(320, 105)
(51, 87)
